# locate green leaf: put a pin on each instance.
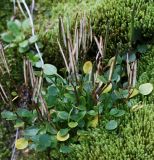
(120, 113)
(33, 39)
(113, 111)
(79, 116)
(19, 38)
(21, 143)
(49, 69)
(19, 124)
(63, 132)
(38, 64)
(122, 93)
(13, 27)
(82, 105)
(24, 113)
(102, 79)
(52, 90)
(142, 48)
(62, 138)
(18, 23)
(146, 88)
(51, 100)
(133, 92)
(8, 115)
(23, 44)
(31, 132)
(14, 93)
(92, 113)
(53, 142)
(65, 149)
(111, 125)
(63, 115)
(107, 88)
(132, 57)
(50, 129)
(7, 37)
(45, 140)
(72, 124)
(117, 112)
(26, 24)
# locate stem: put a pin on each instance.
(33, 31)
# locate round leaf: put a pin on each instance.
(8, 115)
(13, 27)
(33, 39)
(92, 113)
(113, 111)
(49, 69)
(63, 115)
(120, 113)
(45, 140)
(7, 37)
(72, 124)
(146, 88)
(87, 67)
(63, 132)
(62, 138)
(111, 125)
(21, 143)
(23, 44)
(52, 90)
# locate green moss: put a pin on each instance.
(133, 140)
(49, 30)
(4, 143)
(146, 73)
(6, 9)
(118, 12)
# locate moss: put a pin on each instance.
(146, 73)
(49, 30)
(134, 139)
(6, 9)
(4, 143)
(118, 12)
